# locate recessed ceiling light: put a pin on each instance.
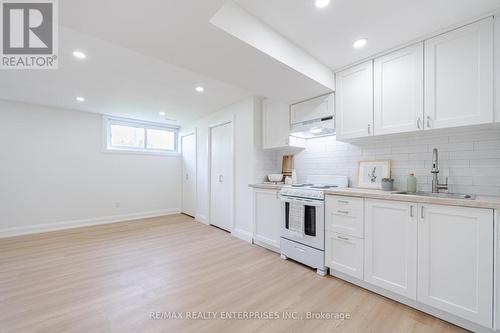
(79, 54)
(360, 43)
(200, 89)
(80, 99)
(321, 3)
(162, 113)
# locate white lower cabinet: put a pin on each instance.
(441, 256)
(344, 254)
(455, 261)
(267, 214)
(391, 246)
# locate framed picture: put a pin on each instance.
(370, 173)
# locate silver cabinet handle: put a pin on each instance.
(342, 211)
(221, 178)
(411, 210)
(187, 176)
(422, 212)
(429, 122)
(343, 201)
(369, 128)
(343, 238)
(419, 122)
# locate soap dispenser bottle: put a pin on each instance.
(411, 183)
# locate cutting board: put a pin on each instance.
(287, 165)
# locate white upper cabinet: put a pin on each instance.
(497, 68)
(276, 126)
(391, 246)
(459, 77)
(315, 108)
(399, 91)
(455, 261)
(354, 101)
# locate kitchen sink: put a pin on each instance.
(439, 195)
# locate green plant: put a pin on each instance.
(388, 180)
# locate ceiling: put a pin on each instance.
(146, 57)
(328, 34)
(117, 81)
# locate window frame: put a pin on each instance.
(108, 121)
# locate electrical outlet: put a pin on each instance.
(117, 205)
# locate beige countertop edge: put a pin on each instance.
(490, 202)
(267, 186)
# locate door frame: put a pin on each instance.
(195, 133)
(229, 120)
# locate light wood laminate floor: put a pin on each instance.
(110, 278)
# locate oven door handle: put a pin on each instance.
(305, 202)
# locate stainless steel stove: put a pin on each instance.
(303, 226)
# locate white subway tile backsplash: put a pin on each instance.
(487, 145)
(470, 158)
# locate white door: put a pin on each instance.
(354, 101)
(268, 217)
(275, 124)
(221, 176)
(399, 91)
(188, 144)
(497, 67)
(391, 246)
(455, 261)
(459, 77)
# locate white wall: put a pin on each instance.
(470, 157)
(53, 173)
(246, 116)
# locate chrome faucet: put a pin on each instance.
(436, 186)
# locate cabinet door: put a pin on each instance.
(267, 218)
(399, 91)
(391, 246)
(275, 124)
(455, 261)
(459, 77)
(354, 101)
(497, 68)
(344, 254)
(315, 108)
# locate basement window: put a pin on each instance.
(126, 135)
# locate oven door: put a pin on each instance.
(314, 222)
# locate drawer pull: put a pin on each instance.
(300, 249)
(342, 211)
(343, 201)
(343, 238)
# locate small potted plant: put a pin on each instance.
(387, 184)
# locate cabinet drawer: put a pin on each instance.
(345, 221)
(342, 203)
(344, 254)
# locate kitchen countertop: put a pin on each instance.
(481, 201)
(267, 186)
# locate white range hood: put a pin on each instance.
(313, 118)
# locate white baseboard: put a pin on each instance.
(201, 218)
(243, 235)
(46, 227)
